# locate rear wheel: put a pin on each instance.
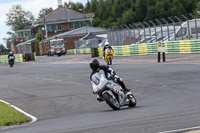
(11, 64)
(112, 102)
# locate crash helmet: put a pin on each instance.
(106, 43)
(94, 64)
(11, 53)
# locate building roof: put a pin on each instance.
(78, 32)
(26, 42)
(65, 14)
(89, 36)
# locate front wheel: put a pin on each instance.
(112, 102)
(132, 101)
(110, 60)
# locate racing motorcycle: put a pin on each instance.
(109, 56)
(111, 92)
(11, 61)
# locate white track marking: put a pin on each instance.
(34, 119)
(59, 80)
(182, 130)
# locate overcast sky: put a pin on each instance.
(29, 5)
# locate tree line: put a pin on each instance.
(111, 13)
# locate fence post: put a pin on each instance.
(195, 25)
(154, 28)
(160, 28)
(167, 28)
(159, 50)
(163, 51)
(189, 35)
(174, 27)
(181, 24)
(149, 30)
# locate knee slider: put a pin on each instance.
(121, 79)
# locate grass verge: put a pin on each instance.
(10, 116)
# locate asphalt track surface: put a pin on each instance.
(58, 92)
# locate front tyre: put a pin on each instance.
(112, 102)
(132, 101)
(110, 60)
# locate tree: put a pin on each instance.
(74, 6)
(87, 7)
(19, 19)
(2, 48)
(8, 41)
(151, 13)
(141, 9)
(178, 8)
(93, 5)
(128, 17)
(37, 41)
(44, 11)
(197, 9)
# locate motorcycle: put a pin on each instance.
(111, 92)
(109, 56)
(11, 61)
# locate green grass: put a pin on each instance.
(10, 116)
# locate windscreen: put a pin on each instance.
(57, 43)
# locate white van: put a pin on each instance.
(182, 33)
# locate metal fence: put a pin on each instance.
(24, 48)
(90, 43)
(184, 27)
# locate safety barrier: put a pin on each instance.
(79, 51)
(4, 58)
(71, 52)
(84, 51)
(182, 46)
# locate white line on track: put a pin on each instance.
(182, 130)
(34, 119)
(58, 80)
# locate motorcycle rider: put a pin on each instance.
(106, 46)
(96, 67)
(9, 55)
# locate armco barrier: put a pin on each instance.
(4, 58)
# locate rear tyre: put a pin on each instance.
(11, 64)
(113, 103)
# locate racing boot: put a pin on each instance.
(99, 99)
(126, 90)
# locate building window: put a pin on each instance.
(26, 34)
(71, 25)
(59, 27)
(54, 27)
(75, 25)
(20, 34)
